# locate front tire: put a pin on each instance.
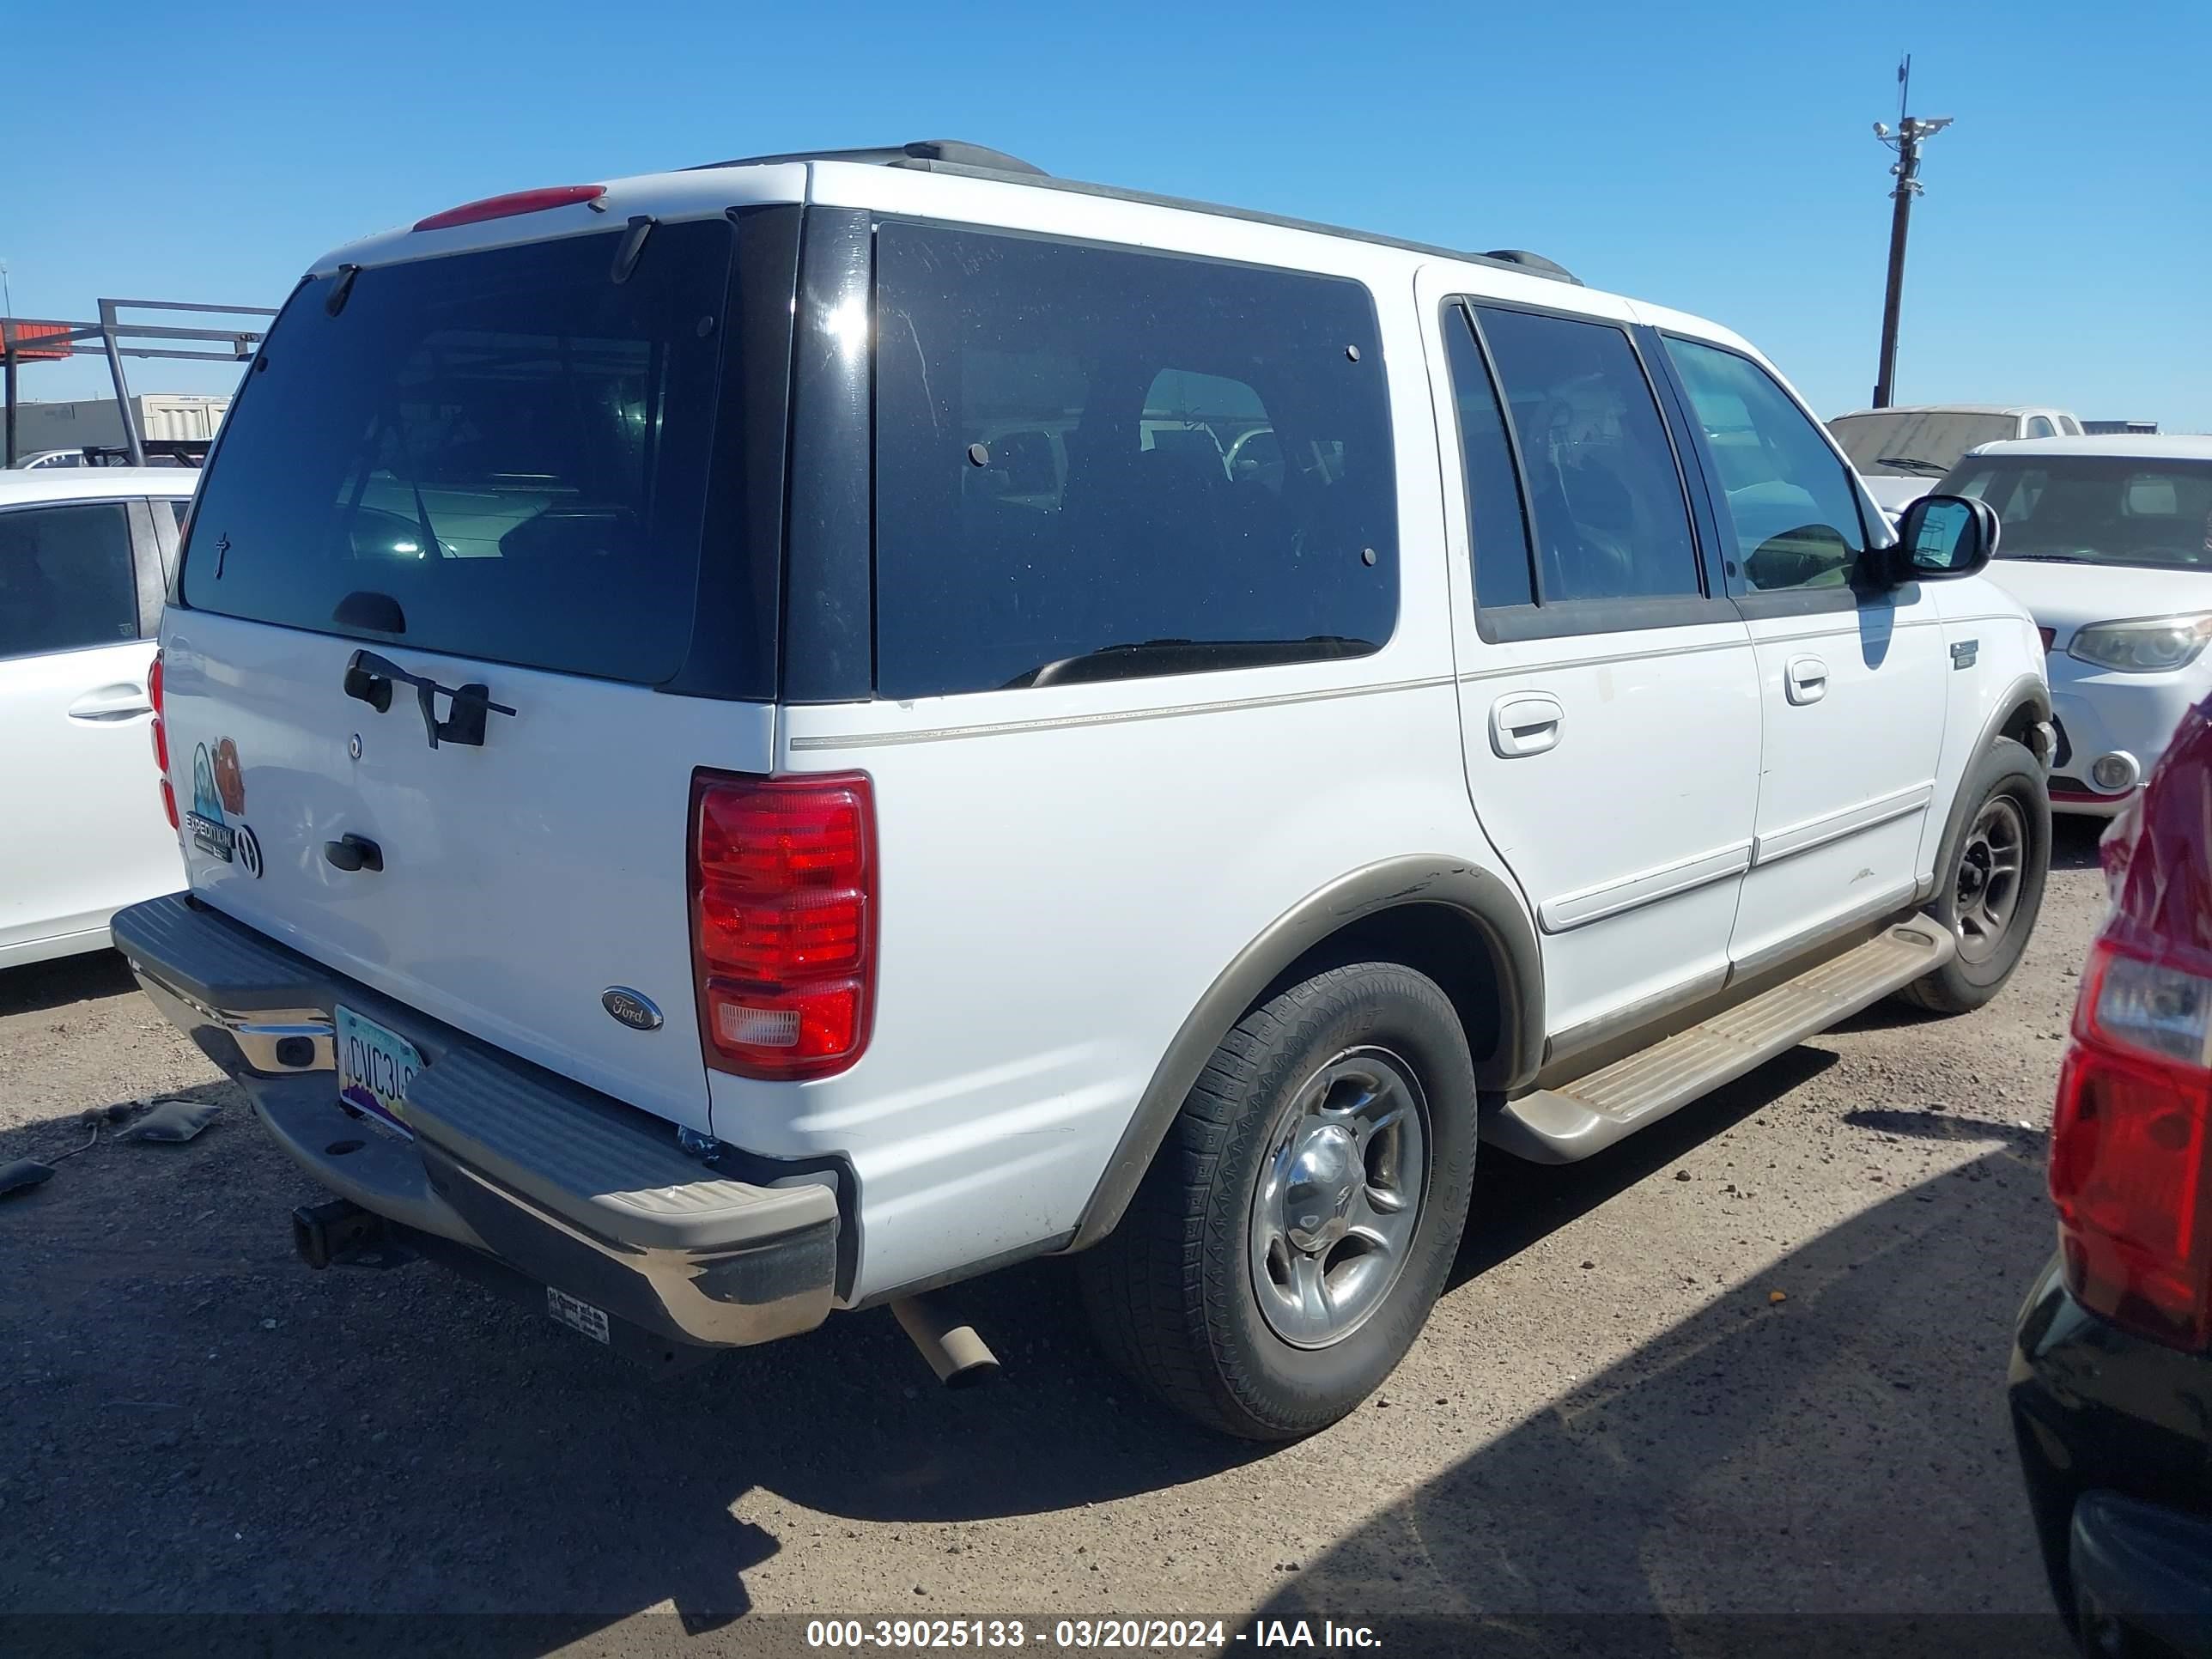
(1296, 1225)
(1991, 872)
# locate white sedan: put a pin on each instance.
(85, 555)
(2108, 541)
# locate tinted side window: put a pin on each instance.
(1794, 514)
(2014, 491)
(1497, 521)
(1611, 518)
(66, 579)
(1096, 464)
(2038, 425)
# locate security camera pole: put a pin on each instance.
(1905, 140)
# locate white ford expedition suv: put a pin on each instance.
(798, 731)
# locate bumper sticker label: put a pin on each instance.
(576, 1314)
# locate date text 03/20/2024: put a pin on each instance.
(1142, 1635)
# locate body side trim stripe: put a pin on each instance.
(1106, 717)
(1779, 638)
(1740, 643)
(1803, 837)
(1571, 910)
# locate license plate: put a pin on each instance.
(374, 1068)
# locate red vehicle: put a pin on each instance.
(2112, 1369)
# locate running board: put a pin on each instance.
(1557, 1125)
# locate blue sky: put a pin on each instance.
(1716, 157)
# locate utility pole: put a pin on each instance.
(1905, 140)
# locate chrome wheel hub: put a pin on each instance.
(1322, 1179)
(1339, 1198)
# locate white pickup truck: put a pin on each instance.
(1903, 452)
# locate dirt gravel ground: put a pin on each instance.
(1750, 1361)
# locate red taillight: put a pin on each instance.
(2129, 1148)
(514, 201)
(783, 878)
(161, 739)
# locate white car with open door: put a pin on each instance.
(811, 727)
(84, 555)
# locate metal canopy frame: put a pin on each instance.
(115, 337)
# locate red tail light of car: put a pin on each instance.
(2131, 1136)
(783, 922)
(2129, 1148)
(160, 740)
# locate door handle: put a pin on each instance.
(1525, 725)
(1805, 679)
(109, 703)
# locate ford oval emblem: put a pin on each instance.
(633, 1008)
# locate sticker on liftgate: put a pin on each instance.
(209, 832)
(216, 821)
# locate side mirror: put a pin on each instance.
(1942, 536)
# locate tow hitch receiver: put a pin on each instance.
(344, 1234)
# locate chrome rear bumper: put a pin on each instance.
(564, 1184)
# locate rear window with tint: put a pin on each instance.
(510, 444)
(1097, 463)
(1916, 443)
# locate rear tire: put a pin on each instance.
(1991, 872)
(1295, 1228)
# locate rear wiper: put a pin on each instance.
(343, 292)
(633, 244)
(424, 527)
(1128, 661)
(1912, 464)
(369, 678)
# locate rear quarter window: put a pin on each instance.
(1096, 463)
(510, 444)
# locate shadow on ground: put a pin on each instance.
(69, 979)
(198, 1423)
(1517, 1204)
(1637, 1516)
(2073, 846)
(2074, 840)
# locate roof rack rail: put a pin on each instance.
(1536, 262)
(952, 156)
(922, 152)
